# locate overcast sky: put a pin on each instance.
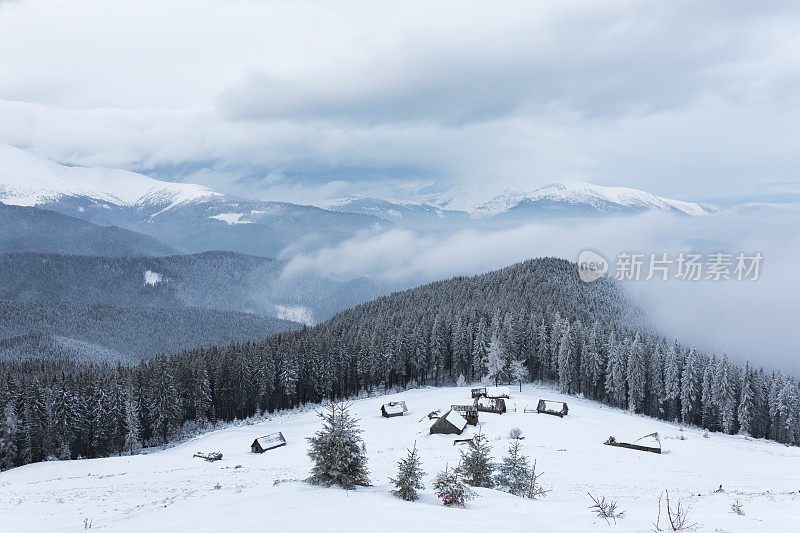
(299, 100)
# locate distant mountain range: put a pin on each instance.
(180, 217)
(186, 217)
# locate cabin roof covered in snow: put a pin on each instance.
(497, 392)
(395, 407)
(551, 405)
(455, 418)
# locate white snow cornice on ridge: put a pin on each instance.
(599, 198)
(27, 179)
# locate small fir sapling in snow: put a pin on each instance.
(461, 381)
(409, 476)
(534, 490)
(513, 473)
(451, 489)
(606, 509)
(477, 466)
(337, 450)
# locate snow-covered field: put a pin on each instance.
(171, 491)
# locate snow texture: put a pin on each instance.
(168, 490)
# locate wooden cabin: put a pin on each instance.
(477, 393)
(388, 410)
(490, 405)
(649, 443)
(268, 442)
(469, 412)
(451, 423)
(550, 407)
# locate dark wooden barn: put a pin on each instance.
(268, 442)
(490, 405)
(469, 412)
(550, 407)
(391, 409)
(477, 393)
(451, 423)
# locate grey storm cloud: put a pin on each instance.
(694, 100)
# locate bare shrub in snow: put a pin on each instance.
(534, 489)
(606, 509)
(737, 508)
(676, 515)
(451, 489)
(515, 433)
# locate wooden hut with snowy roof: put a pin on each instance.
(388, 410)
(268, 442)
(497, 392)
(550, 407)
(451, 423)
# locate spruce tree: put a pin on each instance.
(746, 409)
(514, 472)
(689, 385)
(133, 443)
(9, 433)
(451, 489)
(477, 466)
(338, 450)
(409, 476)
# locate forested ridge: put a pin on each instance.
(531, 321)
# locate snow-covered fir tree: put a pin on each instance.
(337, 450)
(690, 382)
(514, 471)
(496, 360)
(451, 489)
(409, 476)
(477, 466)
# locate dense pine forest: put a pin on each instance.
(532, 321)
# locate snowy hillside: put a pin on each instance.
(588, 196)
(26, 179)
(170, 490)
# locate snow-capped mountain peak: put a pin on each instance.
(588, 196)
(29, 180)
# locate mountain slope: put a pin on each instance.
(135, 332)
(569, 199)
(26, 179)
(169, 490)
(186, 216)
(217, 280)
(28, 229)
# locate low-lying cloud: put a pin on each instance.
(747, 319)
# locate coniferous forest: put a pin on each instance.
(531, 321)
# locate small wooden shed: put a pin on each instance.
(477, 393)
(451, 423)
(549, 407)
(469, 412)
(490, 405)
(648, 443)
(268, 442)
(388, 410)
